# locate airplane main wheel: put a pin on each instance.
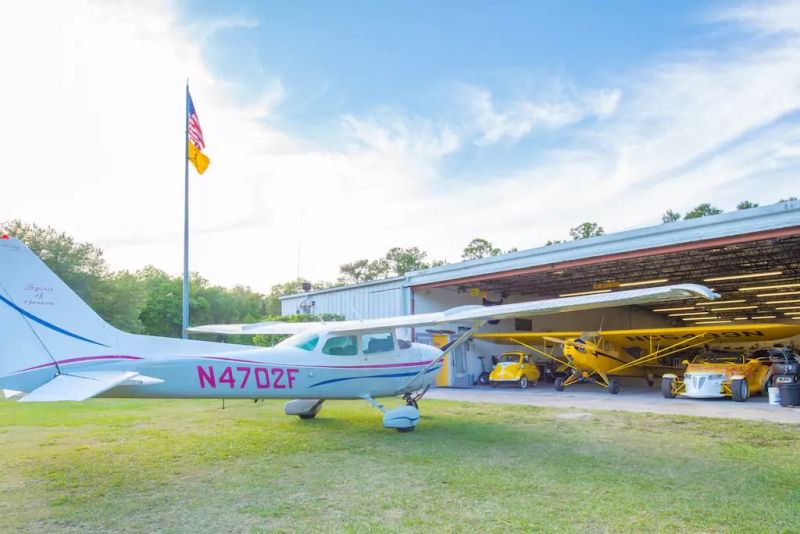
(406, 429)
(307, 415)
(739, 390)
(613, 386)
(668, 387)
(559, 383)
(523, 382)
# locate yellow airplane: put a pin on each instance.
(601, 357)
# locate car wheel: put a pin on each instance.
(668, 387)
(559, 383)
(739, 390)
(613, 386)
(523, 382)
(483, 379)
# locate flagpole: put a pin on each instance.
(185, 314)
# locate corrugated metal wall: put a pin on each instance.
(366, 301)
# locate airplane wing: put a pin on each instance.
(646, 338)
(472, 314)
(268, 327)
(84, 385)
(531, 338)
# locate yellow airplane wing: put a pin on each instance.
(646, 338)
(529, 338)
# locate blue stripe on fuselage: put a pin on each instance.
(393, 375)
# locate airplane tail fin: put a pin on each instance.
(42, 321)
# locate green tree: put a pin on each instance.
(273, 300)
(790, 199)
(554, 242)
(586, 230)
(161, 314)
(670, 216)
(746, 205)
(479, 248)
(403, 260)
(363, 271)
(119, 299)
(702, 210)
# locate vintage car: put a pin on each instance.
(714, 374)
(514, 367)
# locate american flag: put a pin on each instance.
(195, 132)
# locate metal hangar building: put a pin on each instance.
(751, 257)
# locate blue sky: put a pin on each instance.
(389, 123)
(352, 57)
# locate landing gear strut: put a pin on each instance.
(412, 399)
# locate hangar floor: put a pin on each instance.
(634, 397)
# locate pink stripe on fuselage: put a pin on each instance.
(373, 366)
(221, 358)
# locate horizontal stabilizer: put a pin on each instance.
(84, 385)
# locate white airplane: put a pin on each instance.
(53, 347)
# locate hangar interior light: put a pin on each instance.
(764, 317)
(699, 318)
(683, 308)
(779, 294)
(645, 282)
(716, 302)
(729, 308)
(579, 293)
(762, 288)
(742, 276)
(715, 322)
(788, 308)
(791, 301)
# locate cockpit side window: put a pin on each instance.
(341, 346)
(377, 342)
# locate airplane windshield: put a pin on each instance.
(305, 341)
(718, 357)
(509, 358)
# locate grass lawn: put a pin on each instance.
(188, 466)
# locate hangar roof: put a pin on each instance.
(756, 241)
(734, 253)
(774, 221)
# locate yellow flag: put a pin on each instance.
(198, 159)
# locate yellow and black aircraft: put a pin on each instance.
(601, 357)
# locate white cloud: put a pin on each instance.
(92, 119)
(521, 117)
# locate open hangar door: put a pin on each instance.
(758, 280)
